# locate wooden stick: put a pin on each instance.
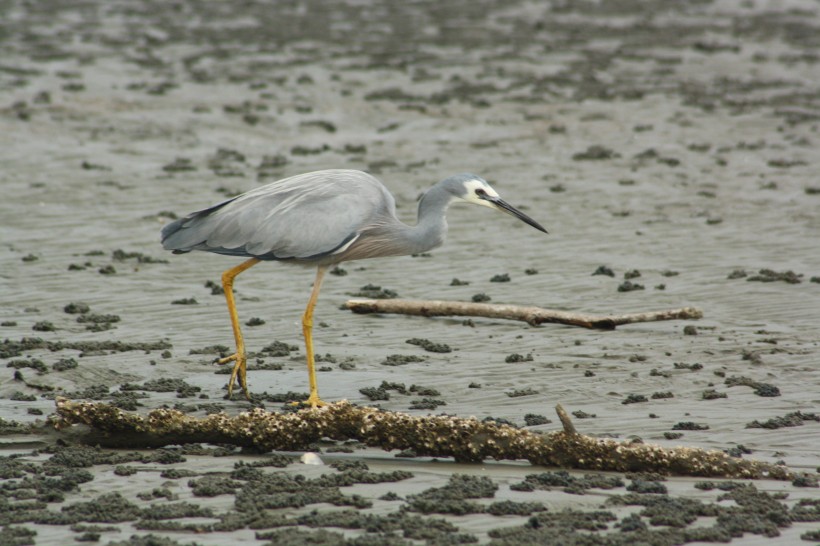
(529, 314)
(566, 422)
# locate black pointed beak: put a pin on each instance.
(503, 206)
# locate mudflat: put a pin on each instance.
(670, 149)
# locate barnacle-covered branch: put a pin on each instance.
(467, 440)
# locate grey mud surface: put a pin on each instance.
(678, 139)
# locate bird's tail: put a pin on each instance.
(168, 239)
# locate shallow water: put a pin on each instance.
(706, 115)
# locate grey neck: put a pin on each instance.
(431, 226)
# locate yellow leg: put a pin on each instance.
(307, 329)
(240, 361)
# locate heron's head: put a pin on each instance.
(474, 189)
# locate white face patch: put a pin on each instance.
(471, 197)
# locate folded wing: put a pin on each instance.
(307, 216)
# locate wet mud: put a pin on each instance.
(670, 149)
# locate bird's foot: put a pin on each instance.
(313, 401)
(239, 374)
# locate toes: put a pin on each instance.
(238, 374)
(233, 357)
(314, 402)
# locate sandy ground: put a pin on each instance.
(675, 140)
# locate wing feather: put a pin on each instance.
(301, 217)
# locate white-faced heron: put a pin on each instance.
(320, 218)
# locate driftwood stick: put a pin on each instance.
(529, 314)
(563, 416)
(467, 440)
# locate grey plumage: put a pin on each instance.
(302, 217)
(320, 217)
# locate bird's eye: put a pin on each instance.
(480, 192)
